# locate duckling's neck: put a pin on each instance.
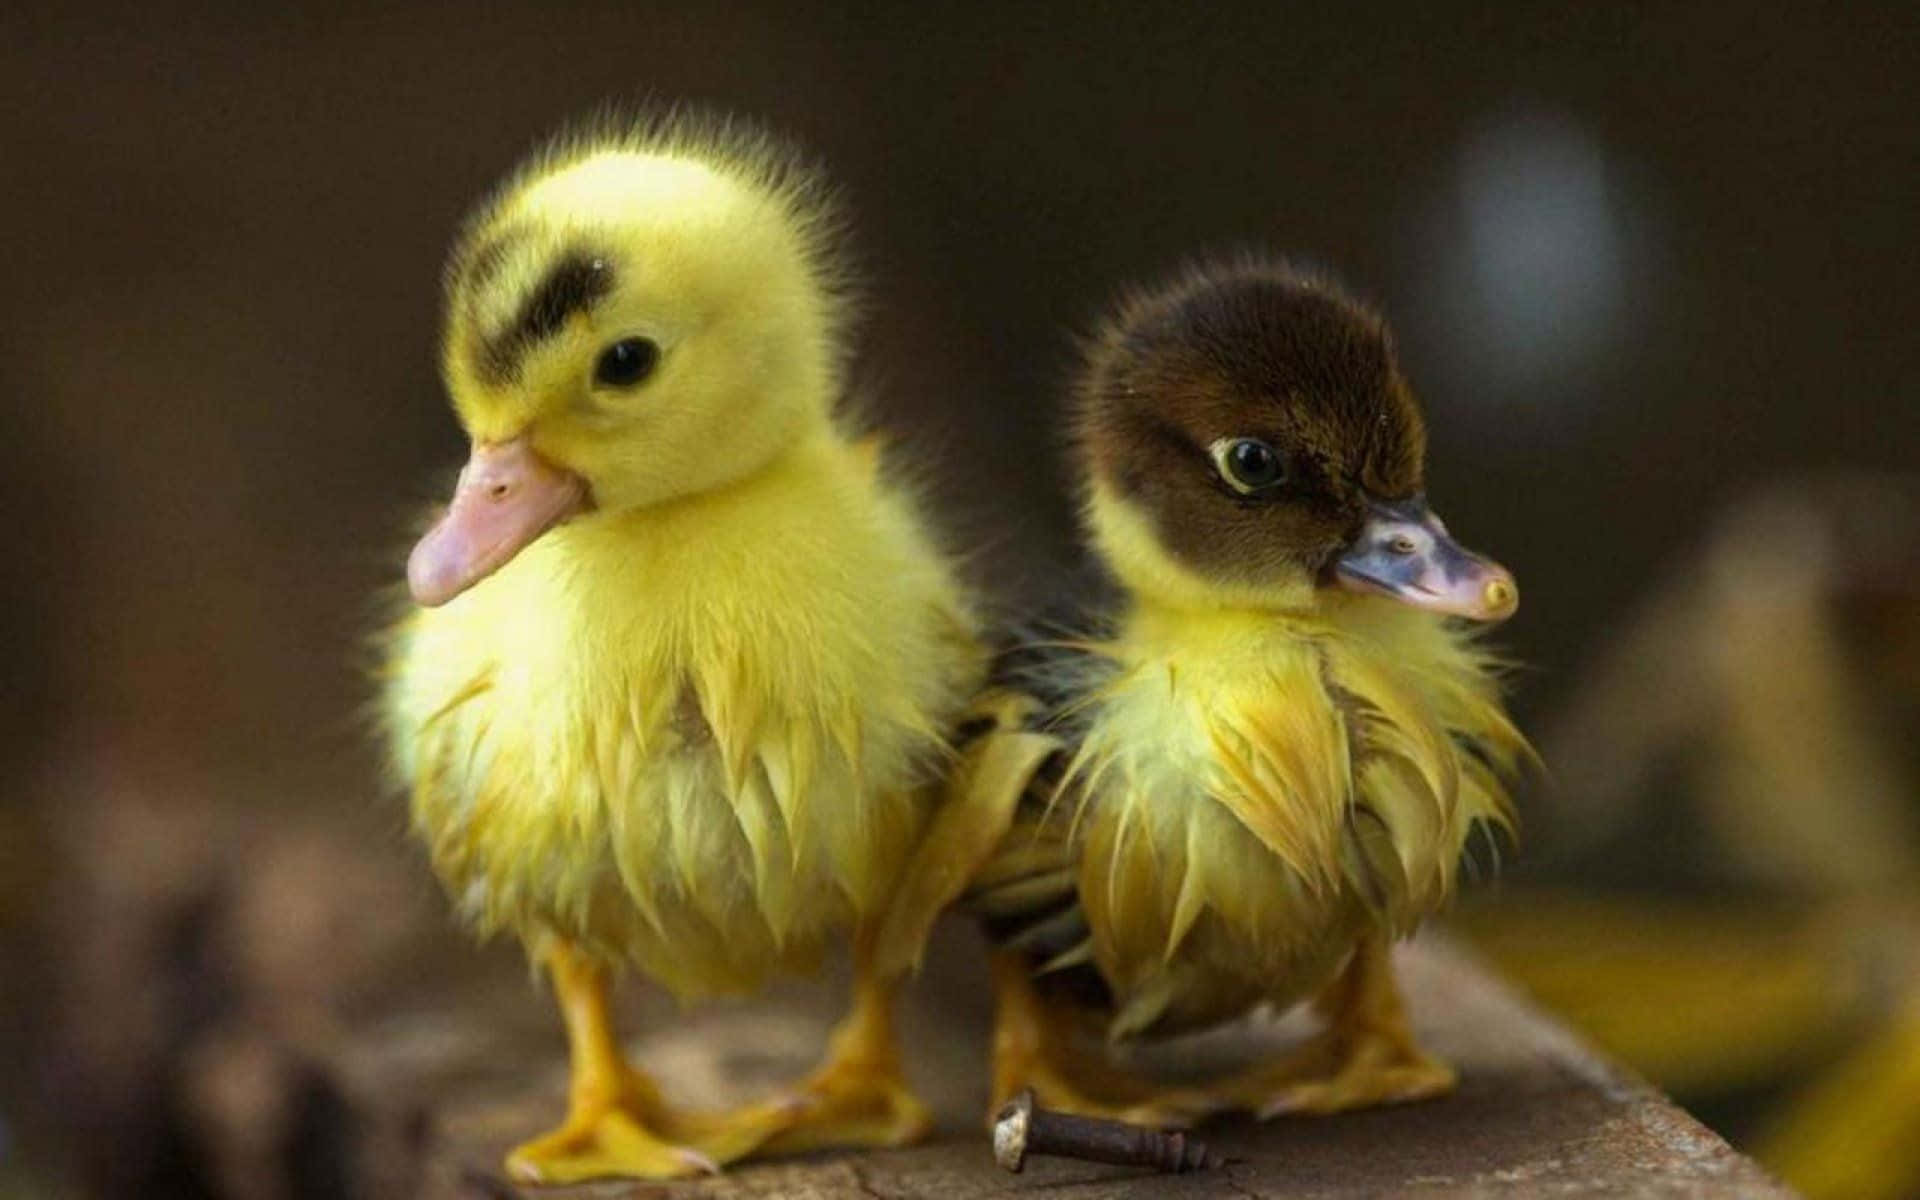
(1152, 629)
(1139, 560)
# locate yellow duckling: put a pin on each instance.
(676, 689)
(1262, 764)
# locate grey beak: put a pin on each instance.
(1404, 551)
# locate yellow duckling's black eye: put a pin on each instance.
(1248, 465)
(626, 362)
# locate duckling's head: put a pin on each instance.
(644, 312)
(1246, 438)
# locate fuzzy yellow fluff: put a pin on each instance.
(694, 738)
(697, 729)
(1263, 787)
(1262, 777)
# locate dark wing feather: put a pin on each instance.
(1026, 897)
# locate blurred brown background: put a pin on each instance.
(1642, 261)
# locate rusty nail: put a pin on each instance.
(1023, 1127)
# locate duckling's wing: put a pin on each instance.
(998, 755)
(1026, 895)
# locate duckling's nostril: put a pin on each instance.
(1401, 544)
(499, 491)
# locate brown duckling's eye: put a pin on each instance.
(626, 362)
(1248, 465)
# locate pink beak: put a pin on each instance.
(507, 496)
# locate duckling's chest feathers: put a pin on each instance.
(702, 754)
(646, 815)
(1262, 790)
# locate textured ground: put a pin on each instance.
(1537, 1114)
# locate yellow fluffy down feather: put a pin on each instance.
(1252, 790)
(696, 729)
(637, 735)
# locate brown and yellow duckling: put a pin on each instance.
(1242, 782)
(676, 688)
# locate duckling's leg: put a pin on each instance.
(1034, 1047)
(1366, 1056)
(859, 1096)
(616, 1121)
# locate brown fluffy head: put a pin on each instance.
(1245, 350)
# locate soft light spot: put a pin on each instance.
(1527, 248)
(1543, 261)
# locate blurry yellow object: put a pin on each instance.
(1710, 1001)
(1853, 1133)
(677, 691)
(1272, 751)
(1774, 670)
(1741, 668)
(1700, 999)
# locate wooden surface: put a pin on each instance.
(1536, 1113)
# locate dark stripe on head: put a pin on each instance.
(575, 282)
(478, 268)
